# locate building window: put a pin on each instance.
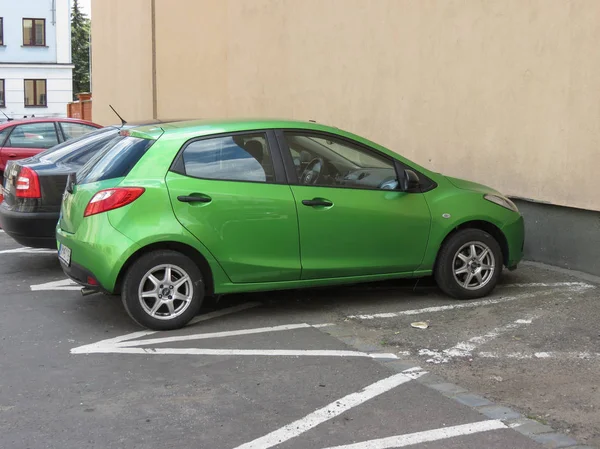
(34, 32)
(2, 100)
(1, 30)
(35, 93)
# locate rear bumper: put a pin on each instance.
(81, 275)
(97, 251)
(35, 229)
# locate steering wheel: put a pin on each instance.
(313, 171)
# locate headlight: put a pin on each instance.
(502, 201)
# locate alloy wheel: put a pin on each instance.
(474, 265)
(165, 292)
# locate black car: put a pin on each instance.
(33, 187)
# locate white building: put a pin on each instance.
(35, 58)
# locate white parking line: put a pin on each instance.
(462, 305)
(542, 355)
(243, 352)
(466, 348)
(426, 436)
(550, 284)
(257, 330)
(28, 251)
(326, 413)
(140, 334)
(63, 285)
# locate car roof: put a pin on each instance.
(216, 126)
(46, 119)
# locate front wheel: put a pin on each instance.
(469, 264)
(163, 290)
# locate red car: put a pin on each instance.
(20, 139)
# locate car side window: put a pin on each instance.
(74, 130)
(3, 135)
(33, 135)
(326, 161)
(240, 157)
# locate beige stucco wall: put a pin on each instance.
(121, 60)
(502, 92)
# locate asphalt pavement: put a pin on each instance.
(303, 369)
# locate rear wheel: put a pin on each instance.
(163, 290)
(469, 264)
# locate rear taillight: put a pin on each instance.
(110, 199)
(28, 184)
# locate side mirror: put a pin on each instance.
(410, 182)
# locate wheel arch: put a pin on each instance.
(482, 225)
(183, 248)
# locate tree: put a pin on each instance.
(80, 50)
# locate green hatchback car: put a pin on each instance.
(167, 215)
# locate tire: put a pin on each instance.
(185, 298)
(449, 261)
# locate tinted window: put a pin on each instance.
(115, 160)
(33, 135)
(91, 141)
(243, 157)
(328, 161)
(3, 135)
(75, 130)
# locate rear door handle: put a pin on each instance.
(317, 202)
(12, 155)
(194, 199)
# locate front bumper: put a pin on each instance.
(34, 229)
(98, 251)
(515, 238)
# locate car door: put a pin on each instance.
(28, 139)
(353, 220)
(229, 191)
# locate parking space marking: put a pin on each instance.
(62, 285)
(426, 436)
(241, 352)
(257, 330)
(128, 345)
(326, 413)
(28, 251)
(466, 348)
(465, 305)
(542, 355)
(584, 285)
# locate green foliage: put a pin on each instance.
(80, 49)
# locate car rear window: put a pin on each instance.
(115, 160)
(89, 142)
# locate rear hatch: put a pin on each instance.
(37, 184)
(105, 170)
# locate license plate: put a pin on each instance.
(64, 254)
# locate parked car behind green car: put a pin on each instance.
(167, 215)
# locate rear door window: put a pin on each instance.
(115, 160)
(241, 157)
(33, 135)
(74, 130)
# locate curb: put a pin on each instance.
(530, 428)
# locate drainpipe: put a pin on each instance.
(53, 10)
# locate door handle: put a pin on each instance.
(194, 199)
(317, 202)
(12, 155)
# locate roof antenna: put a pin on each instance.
(123, 122)
(8, 119)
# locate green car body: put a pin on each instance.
(253, 236)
